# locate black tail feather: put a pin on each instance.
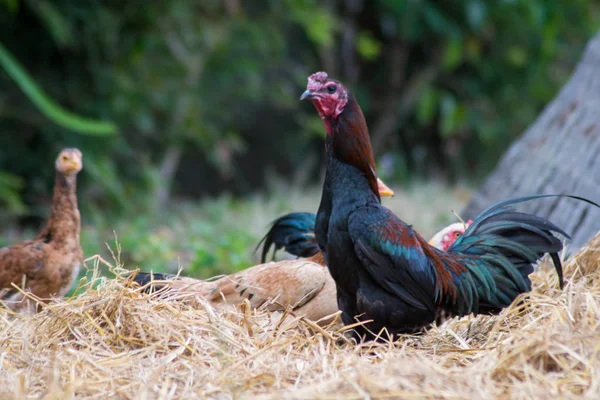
(502, 241)
(505, 205)
(534, 232)
(559, 269)
(150, 281)
(294, 232)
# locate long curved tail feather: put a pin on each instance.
(499, 250)
(294, 232)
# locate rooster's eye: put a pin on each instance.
(331, 89)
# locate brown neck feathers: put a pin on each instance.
(351, 142)
(64, 221)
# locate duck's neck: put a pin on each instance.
(64, 222)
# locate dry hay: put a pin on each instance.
(114, 341)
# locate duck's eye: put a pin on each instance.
(457, 234)
(331, 89)
(65, 158)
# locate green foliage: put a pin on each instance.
(206, 239)
(46, 105)
(367, 46)
(316, 21)
(10, 185)
(498, 62)
(205, 94)
(56, 24)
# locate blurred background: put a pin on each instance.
(193, 137)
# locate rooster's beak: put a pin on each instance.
(384, 191)
(306, 95)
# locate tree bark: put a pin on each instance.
(558, 153)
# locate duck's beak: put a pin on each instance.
(384, 191)
(306, 95)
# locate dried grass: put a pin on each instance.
(114, 341)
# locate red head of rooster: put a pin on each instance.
(329, 96)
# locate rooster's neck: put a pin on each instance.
(349, 143)
(350, 179)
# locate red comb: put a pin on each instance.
(319, 77)
(316, 80)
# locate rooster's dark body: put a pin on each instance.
(385, 272)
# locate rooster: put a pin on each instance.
(387, 276)
(47, 265)
(304, 284)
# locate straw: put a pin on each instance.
(115, 341)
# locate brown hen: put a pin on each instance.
(302, 285)
(47, 265)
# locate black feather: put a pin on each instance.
(294, 232)
(506, 242)
(151, 280)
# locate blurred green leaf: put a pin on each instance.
(317, 22)
(57, 25)
(537, 13)
(450, 115)
(11, 5)
(50, 109)
(367, 46)
(10, 187)
(476, 14)
(473, 49)
(427, 105)
(516, 56)
(454, 53)
(437, 20)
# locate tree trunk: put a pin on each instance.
(559, 153)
